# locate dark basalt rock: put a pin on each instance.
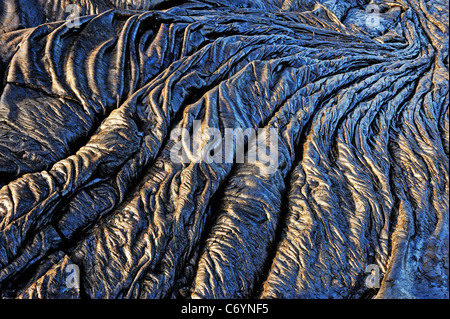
(358, 95)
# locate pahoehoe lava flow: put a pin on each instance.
(92, 103)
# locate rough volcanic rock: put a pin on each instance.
(358, 96)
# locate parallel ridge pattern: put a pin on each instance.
(363, 149)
